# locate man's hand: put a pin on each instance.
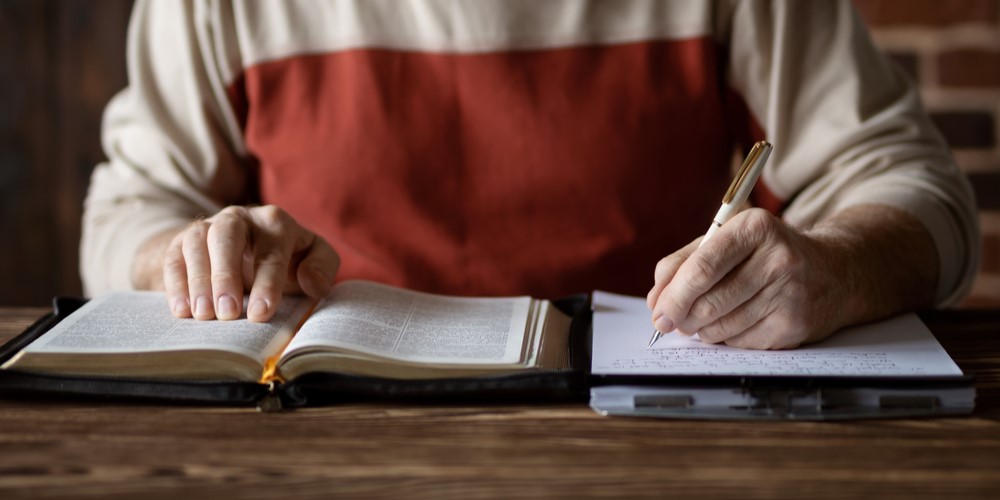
(761, 284)
(207, 266)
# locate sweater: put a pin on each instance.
(510, 147)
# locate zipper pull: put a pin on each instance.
(271, 402)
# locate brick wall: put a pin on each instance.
(952, 49)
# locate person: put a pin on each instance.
(521, 147)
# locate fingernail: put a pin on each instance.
(663, 324)
(258, 308)
(226, 308)
(180, 306)
(202, 306)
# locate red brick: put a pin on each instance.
(987, 188)
(882, 13)
(969, 68)
(990, 263)
(966, 129)
(908, 62)
(979, 302)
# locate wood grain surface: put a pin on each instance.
(67, 449)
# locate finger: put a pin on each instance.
(708, 264)
(175, 279)
(227, 239)
(274, 237)
(774, 331)
(740, 319)
(270, 270)
(316, 270)
(195, 254)
(730, 293)
(784, 322)
(665, 270)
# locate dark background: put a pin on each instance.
(61, 61)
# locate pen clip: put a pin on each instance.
(748, 163)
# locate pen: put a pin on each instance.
(735, 197)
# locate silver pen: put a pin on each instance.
(735, 197)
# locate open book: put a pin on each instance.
(361, 328)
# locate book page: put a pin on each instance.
(900, 346)
(127, 322)
(416, 327)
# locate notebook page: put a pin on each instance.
(899, 346)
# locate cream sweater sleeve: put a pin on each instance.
(173, 144)
(848, 127)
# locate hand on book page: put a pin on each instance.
(361, 328)
(208, 265)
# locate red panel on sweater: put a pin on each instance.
(543, 172)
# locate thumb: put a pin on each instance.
(666, 268)
(317, 268)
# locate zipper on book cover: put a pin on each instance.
(271, 402)
(370, 381)
(499, 377)
(118, 386)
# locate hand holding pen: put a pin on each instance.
(757, 282)
(734, 199)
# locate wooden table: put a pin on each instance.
(54, 449)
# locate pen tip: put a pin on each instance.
(656, 336)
